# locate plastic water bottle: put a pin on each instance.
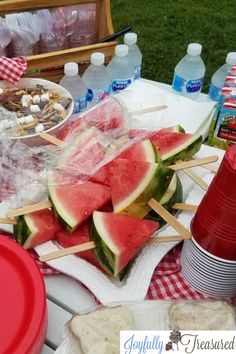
(120, 69)
(134, 55)
(97, 79)
(189, 72)
(219, 76)
(75, 85)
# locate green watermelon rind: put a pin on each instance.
(21, 231)
(62, 222)
(173, 194)
(68, 223)
(138, 206)
(104, 255)
(164, 179)
(179, 129)
(184, 151)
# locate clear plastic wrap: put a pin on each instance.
(62, 27)
(5, 37)
(95, 139)
(25, 30)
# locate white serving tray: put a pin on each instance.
(136, 284)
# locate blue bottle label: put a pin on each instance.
(95, 96)
(187, 86)
(118, 85)
(214, 92)
(80, 104)
(137, 72)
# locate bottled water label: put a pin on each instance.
(214, 92)
(80, 104)
(187, 86)
(118, 85)
(137, 72)
(95, 96)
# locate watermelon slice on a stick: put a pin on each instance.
(74, 203)
(36, 228)
(118, 239)
(174, 146)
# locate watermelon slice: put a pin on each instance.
(174, 146)
(78, 237)
(132, 186)
(173, 194)
(36, 228)
(73, 203)
(142, 151)
(118, 239)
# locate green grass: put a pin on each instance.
(165, 27)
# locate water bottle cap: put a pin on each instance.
(231, 58)
(194, 49)
(130, 38)
(71, 69)
(121, 50)
(97, 58)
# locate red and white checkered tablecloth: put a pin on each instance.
(167, 283)
(12, 69)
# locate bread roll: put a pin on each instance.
(204, 315)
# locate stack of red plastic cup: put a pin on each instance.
(214, 235)
(214, 225)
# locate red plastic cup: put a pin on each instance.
(214, 225)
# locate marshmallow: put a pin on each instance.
(39, 128)
(58, 107)
(35, 108)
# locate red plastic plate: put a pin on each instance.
(22, 301)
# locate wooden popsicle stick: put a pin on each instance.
(66, 251)
(198, 180)
(169, 218)
(91, 245)
(163, 239)
(185, 207)
(210, 167)
(148, 110)
(28, 209)
(51, 139)
(192, 163)
(8, 221)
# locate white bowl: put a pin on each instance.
(35, 139)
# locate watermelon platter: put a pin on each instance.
(110, 208)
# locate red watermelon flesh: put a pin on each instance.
(78, 237)
(73, 203)
(167, 141)
(36, 228)
(101, 176)
(123, 236)
(146, 134)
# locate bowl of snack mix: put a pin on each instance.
(32, 107)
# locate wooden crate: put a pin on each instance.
(50, 65)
